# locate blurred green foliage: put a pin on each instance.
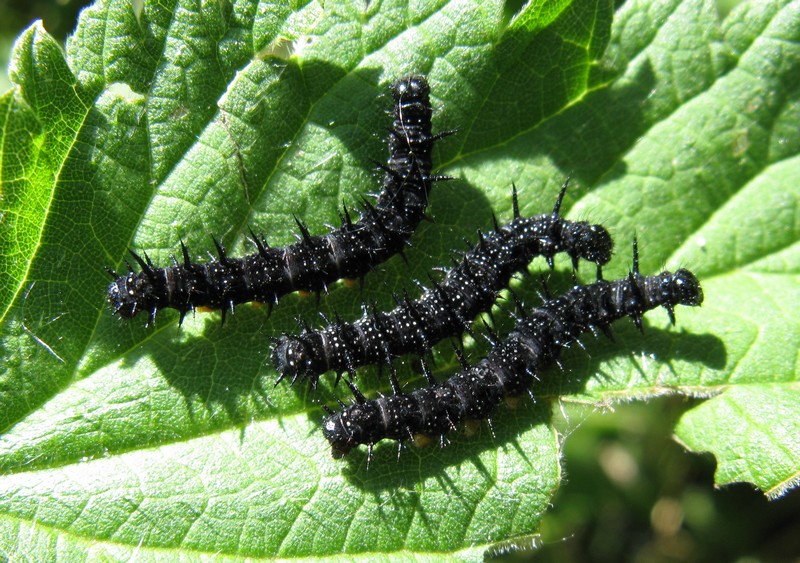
(632, 493)
(59, 16)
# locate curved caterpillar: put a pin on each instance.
(314, 261)
(512, 365)
(448, 307)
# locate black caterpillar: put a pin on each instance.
(313, 262)
(448, 307)
(512, 365)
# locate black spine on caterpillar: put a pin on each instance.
(511, 367)
(448, 307)
(313, 262)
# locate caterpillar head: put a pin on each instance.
(130, 294)
(292, 358)
(685, 288)
(351, 427)
(411, 87)
(593, 243)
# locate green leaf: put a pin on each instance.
(187, 119)
(40, 123)
(752, 430)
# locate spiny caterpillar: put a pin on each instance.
(446, 308)
(314, 262)
(512, 365)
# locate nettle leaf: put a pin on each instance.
(182, 120)
(752, 430)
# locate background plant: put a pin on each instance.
(184, 120)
